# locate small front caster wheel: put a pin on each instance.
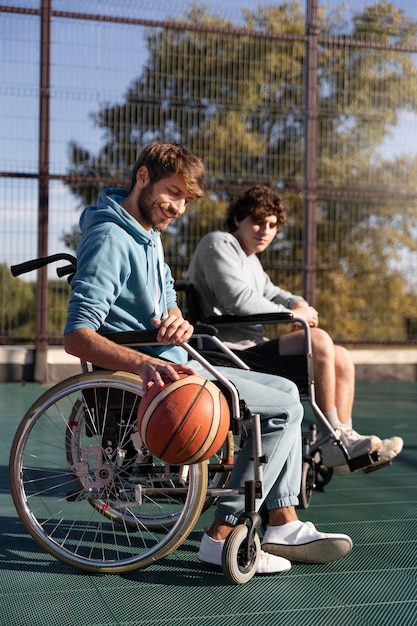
(240, 561)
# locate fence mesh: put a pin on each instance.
(236, 83)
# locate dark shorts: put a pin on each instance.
(265, 357)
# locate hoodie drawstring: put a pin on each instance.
(159, 279)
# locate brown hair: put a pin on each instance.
(257, 202)
(165, 159)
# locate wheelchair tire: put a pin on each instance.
(308, 475)
(323, 476)
(237, 567)
(79, 489)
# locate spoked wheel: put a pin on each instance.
(307, 484)
(83, 486)
(126, 459)
(240, 560)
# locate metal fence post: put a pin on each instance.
(311, 151)
(41, 341)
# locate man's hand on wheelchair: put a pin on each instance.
(174, 328)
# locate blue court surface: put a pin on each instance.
(375, 585)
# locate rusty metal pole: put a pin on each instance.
(41, 343)
(311, 152)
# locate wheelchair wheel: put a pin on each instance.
(84, 488)
(237, 565)
(307, 484)
(323, 476)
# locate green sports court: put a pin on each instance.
(375, 585)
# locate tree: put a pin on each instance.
(237, 100)
(19, 307)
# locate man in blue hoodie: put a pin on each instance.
(122, 283)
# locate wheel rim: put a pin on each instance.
(72, 492)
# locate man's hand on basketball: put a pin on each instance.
(159, 372)
(173, 329)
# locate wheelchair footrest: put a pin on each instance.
(372, 468)
(363, 461)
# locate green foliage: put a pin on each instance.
(238, 100)
(362, 90)
(58, 297)
(19, 306)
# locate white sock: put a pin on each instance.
(334, 420)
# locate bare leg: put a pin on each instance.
(324, 363)
(345, 384)
(334, 376)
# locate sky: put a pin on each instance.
(89, 64)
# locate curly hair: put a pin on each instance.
(258, 202)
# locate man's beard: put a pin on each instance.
(145, 204)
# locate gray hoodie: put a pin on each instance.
(228, 281)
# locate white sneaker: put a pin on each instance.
(389, 450)
(355, 445)
(300, 541)
(211, 552)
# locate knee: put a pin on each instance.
(322, 343)
(289, 387)
(288, 416)
(293, 402)
(294, 408)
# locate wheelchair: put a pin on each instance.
(91, 495)
(298, 368)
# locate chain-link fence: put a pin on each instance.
(316, 98)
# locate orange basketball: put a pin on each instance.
(184, 422)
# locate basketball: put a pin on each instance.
(184, 422)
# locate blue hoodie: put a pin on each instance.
(121, 282)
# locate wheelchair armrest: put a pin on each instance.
(205, 329)
(143, 337)
(133, 337)
(257, 318)
(221, 321)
